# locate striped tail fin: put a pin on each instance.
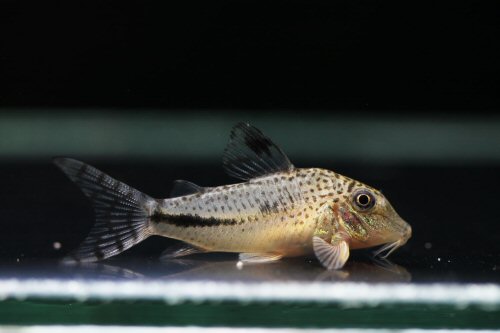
(122, 213)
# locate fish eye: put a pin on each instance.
(364, 200)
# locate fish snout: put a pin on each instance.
(399, 238)
(406, 234)
(400, 230)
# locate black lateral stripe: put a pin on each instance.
(184, 220)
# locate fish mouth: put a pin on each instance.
(390, 247)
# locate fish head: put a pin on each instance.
(370, 220)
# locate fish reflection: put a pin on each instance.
(99, 271)
(225, 270)
(289, 271)
(369, 272)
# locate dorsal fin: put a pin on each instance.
(250, 154)
(184, 187)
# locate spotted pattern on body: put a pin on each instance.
(254, 213)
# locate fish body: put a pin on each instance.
(278, 211)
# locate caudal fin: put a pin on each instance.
(122, 213)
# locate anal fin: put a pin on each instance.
(257, 258)
(331, 255)
(180, 251)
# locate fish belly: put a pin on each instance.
(289, 238)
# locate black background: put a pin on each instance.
(359, 55)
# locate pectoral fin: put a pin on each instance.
(258, 258)
(331, 255)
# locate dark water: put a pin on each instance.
(453, 212)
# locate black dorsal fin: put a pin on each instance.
(184, 187)
(250, 154)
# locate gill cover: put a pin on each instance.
(353, 223)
